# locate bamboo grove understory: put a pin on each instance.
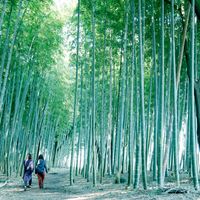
(126, 105)
(138, 91)
(31, 96)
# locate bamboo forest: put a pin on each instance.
(99, 99)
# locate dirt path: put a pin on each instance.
(57, 188)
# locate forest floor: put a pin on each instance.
(57, 187)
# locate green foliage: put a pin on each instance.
(110, 22)
(38, 101)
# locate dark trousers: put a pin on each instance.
(30, 182)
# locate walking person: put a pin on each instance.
(41, 170)
(28, 170)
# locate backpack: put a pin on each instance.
(40, 167)
(38, 171)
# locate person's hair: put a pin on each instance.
(41, 157)
(29, 156)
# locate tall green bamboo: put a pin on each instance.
(155, 97)
(121, 118)
(75, 100)
(143, 131)
(161, 102)
(102, 139)
(175, 131)
(192, 106)
(93, 96)
(131, 131)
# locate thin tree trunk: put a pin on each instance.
(175, 119)
(131, 131)
(103, 107)
(75, 100)
(121, 122)
(183, 46)
(111, 134)
(161, 105)
(143, 131)
(93, 96)
(192, 105)
(155, 97)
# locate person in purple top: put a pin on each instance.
(28, 170)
